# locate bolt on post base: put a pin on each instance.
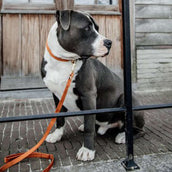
(130, 165)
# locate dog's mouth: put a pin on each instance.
(102, 56)
(95, 56)
(106, 53)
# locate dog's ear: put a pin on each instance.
(63, 18)
(95, 24)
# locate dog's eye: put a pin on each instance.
(87, 28)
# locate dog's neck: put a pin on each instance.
(56, 48)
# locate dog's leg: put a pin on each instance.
(138, 124)
(58, 133)
(138, 121)
(87, 151)
(81, 128)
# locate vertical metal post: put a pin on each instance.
(110, 2)
(129, 163)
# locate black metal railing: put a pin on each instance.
(128, 163)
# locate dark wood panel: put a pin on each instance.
(11, 45)
(45, 23)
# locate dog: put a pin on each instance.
(75, 37)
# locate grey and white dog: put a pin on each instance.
(75, 36)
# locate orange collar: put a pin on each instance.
(55, 57)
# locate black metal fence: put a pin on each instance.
(128, 163)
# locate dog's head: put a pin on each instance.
(77, 32)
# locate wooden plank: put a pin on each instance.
(0, 47)
(100, 20)
(97, 7)
(154, 11)
(165, 2)
(153, 39)
(11, 45)
(30, 45)
(113, 32)
(154, 69)
(154, 65)
(0, 4)
(132, 38)
(157, 52)
(121, 30)
(70, 4)
(154, 25)
(155, 75)
(46, 21)
(160, 86)
(64, 4)
(155, 80)
(155, 60)
(29, 6)
(22, 82)
(59, 4)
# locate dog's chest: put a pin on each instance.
(56, 78)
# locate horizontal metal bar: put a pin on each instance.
(23, 89)
(80, 113)
(152, 107)
(65, 114)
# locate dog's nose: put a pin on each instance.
(107, 43)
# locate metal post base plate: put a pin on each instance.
(130, 165)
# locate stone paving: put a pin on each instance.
(20, 136)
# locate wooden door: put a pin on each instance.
(24, 35)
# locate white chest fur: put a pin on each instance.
(57, 72)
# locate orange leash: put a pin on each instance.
(16, 158)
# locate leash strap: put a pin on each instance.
(16, 158)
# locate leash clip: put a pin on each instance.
(74, 64)
(73, 68)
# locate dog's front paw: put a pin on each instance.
(85, 154)
(55, 136)
(120, 138)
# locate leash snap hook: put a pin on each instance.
(74, 64)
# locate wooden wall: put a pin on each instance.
(0, 47)
(154, 69)
(24, 37)
(153, 22)
(153, 36)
